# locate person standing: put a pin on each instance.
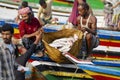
(116, 13)
(7, 54)
(108, 13)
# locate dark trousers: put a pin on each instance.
(27, 43)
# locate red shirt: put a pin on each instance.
(29, 28)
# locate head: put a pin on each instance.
(24, 4)
(7, 32)
(43, 3)
(25, 14)
(83, 9)
(81, 1)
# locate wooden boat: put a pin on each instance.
(101, 72)
(114, 63)
(105, 55)
(52, 70)
(109, 41)
(109, 47)
(65, 71)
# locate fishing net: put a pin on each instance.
(54, 53)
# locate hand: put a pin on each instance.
(22, 68)
(26, 36)
(83, 29)
(38, 36)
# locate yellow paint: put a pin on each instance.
(95, 73)
(106, 40)
(67, 74)
(16, 31)
(62, 2)
(106, 58)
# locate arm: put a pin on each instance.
(30, 51)
(39, 12)
(17, 19)
(36, 32)
(116, 5)
(78, 23)
(93, 29)
(38, 16)
(33, 34)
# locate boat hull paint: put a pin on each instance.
(101, 72)
(107, 63)
(100, 76)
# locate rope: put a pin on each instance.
(76, 67)
(75, 70)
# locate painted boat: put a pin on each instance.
(101, 72)
(114, 63)
(55, 71)
(109, 47)
(105, 55)
(109, 41)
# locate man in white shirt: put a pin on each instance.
(45, 11)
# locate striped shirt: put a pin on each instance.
(7, 64)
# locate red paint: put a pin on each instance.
(104, 55)
(31, 60)
(109, 43)
(100, 77)
(17, 36)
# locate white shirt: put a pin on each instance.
(117, 9)
(47, 12)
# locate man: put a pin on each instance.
(29, 27)
(45, 11)
(74, 14)
(24, 4)
(25, 56)
(29, 24)
(87, 24)
(108, 13)
(7, 54)
(116, 14)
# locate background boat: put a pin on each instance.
(101, 72)
(114, 63)
(109, 47)
(55, 71)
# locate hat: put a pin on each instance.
(24, 11)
